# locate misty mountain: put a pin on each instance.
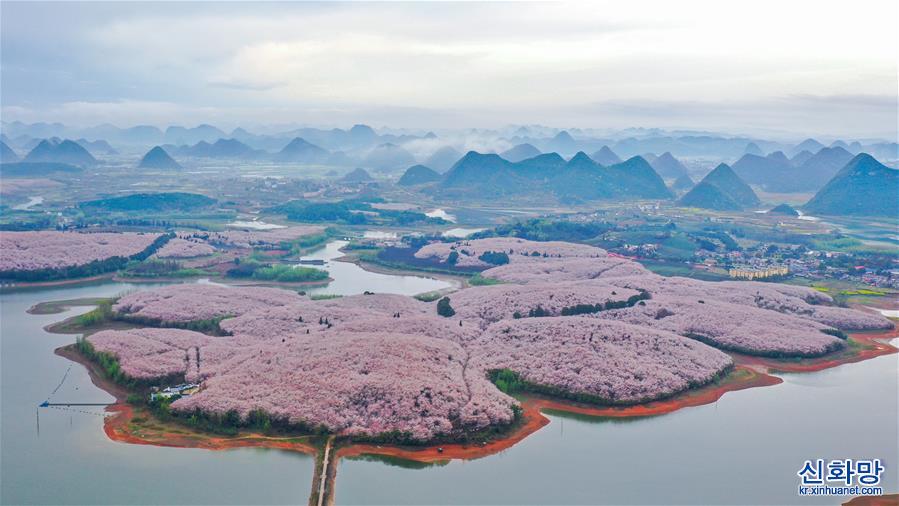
(97, 147)
(806, 172)
(418, 174)
(298, 150)
(800, 158)
(180, 135)
(708, 196)
(770, 172)
(721, 190)
(357, 175)
(388, 156)
(753, 149)
(864, 187)
(222, 148)
(689, 145)
(820, 168)
(724, 178)
(362, 135)
(668, 166)
(479, 175)
(562, 143)
(649, 157)
(778, 157)
(520, 152)
(635, 177)
(158, 158)
(605, 156)
(682, 183)
(808, 145)
(67, 151)
(442, 159)
(482, 171)
(7, 155)
(839, 144)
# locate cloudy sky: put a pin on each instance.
(794, 68)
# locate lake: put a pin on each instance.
(64, 457)
(745, 448)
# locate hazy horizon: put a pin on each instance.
(781, 71)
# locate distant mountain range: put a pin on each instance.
(864, 187)
(479, 175)
(805, 172)
(625, 142)
(222, 148)
(722, 190)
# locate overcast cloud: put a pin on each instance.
(785, 68)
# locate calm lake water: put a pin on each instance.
(64, 457)
(351, 279)
(746, 448)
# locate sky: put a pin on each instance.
(778, 68)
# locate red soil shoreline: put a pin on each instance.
(534, 419)
(750, 372)
(875, 345)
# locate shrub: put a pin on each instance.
(494, 257)
(444, 308)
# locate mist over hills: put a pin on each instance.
(443, 158)
(388, 156)
(535, 153)
(805, 172)
(625, 142)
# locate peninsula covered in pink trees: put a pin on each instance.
(606, 331)
(32, 251)
(185, 248)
